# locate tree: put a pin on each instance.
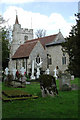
(40, 33)
(5, 48)
(5, 43)
(72, 47)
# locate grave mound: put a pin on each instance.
(9, 95)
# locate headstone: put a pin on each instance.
(47, 71)
(48, 85)
(38, 69)
(38, 73)
(55, 73)
(32, 76)
(64, 80)
(6, 71)
(14, 72)
(22, 70)
(72, 77)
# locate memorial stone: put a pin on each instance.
(6, 71)
(64, 80)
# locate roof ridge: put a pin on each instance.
(33, 40)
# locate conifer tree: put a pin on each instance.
(4, 33)
(72, 47)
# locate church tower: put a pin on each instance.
(19, 36)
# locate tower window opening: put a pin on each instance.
(25, 37)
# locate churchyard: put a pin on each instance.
(64, 105)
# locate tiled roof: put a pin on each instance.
(25, 49)
(44, 40)
(55, 43)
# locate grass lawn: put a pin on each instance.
(63, 106)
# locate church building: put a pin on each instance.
(25, 49)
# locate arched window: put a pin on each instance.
(49, 60)
(16, 64)
(38, 59)
(23, 63)
(63, 59)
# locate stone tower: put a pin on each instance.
(19, 36)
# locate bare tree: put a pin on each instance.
(40, 33)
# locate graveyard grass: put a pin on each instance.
(63, 106)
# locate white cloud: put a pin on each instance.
(51, 23)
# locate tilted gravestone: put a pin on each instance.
(64, 81)
(48, 85)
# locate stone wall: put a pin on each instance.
(38, 49)
(56, 55)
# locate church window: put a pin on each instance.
(23, 63)
(38, 59)
(16, 64)
(63, 59)
(25, 37)
(49, 60)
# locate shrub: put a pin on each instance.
(27, 77)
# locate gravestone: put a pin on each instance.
(47, 71)
(38, 69)
(48, 85)
(55, 73)
(22, 70)
(64, 80)
(72, 77)
(6, 71)
(32, 76)
(14, 72)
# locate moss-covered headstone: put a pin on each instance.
(48, 85)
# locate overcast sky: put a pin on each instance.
(50, 15)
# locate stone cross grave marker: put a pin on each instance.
(38, 69)
(55, 73)
(32, 76)
(14, 72)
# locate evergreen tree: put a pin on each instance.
(4, 33)
(72, 47)
(5, 48)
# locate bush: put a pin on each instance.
(27, 77)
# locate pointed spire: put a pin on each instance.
(16, 21)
